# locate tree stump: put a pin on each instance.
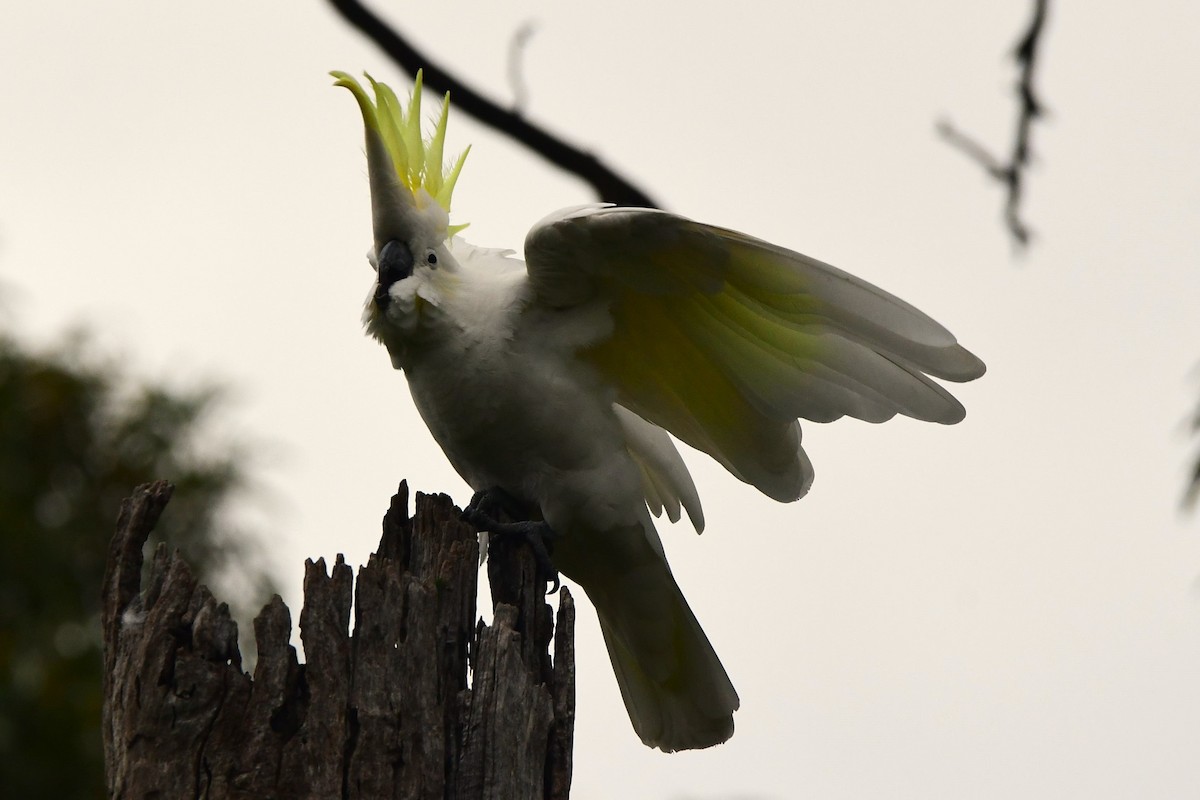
(385, 710)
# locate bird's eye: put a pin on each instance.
(431, 259)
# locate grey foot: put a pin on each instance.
(486, 505)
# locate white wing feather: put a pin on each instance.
(725, 340)
(665, 477)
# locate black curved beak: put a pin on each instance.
(395, 264)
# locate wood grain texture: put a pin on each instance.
(418, 700)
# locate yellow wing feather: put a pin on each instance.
(725, 340)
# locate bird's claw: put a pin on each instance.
(480, 512)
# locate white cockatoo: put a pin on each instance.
(553, 383)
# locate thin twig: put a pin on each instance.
(516, 75)
(608, 185)
(1191, 495)
(1011, 173)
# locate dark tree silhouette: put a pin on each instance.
(75, 436)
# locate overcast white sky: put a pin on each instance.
(1005, 608)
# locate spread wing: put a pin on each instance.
(725, 340)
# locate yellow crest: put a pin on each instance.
(417, 160)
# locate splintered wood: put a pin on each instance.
(418, 700)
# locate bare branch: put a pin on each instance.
(608, 185)
(1011, 173)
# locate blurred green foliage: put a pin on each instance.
(76, 436)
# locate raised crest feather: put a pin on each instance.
(417, 161)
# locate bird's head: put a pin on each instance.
(411, 187)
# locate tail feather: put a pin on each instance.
(675, 689)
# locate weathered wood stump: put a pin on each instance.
(385, 710)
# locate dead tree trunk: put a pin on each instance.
(383, 711)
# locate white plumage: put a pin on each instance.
(557, 381)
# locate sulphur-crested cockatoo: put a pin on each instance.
(554, 383)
